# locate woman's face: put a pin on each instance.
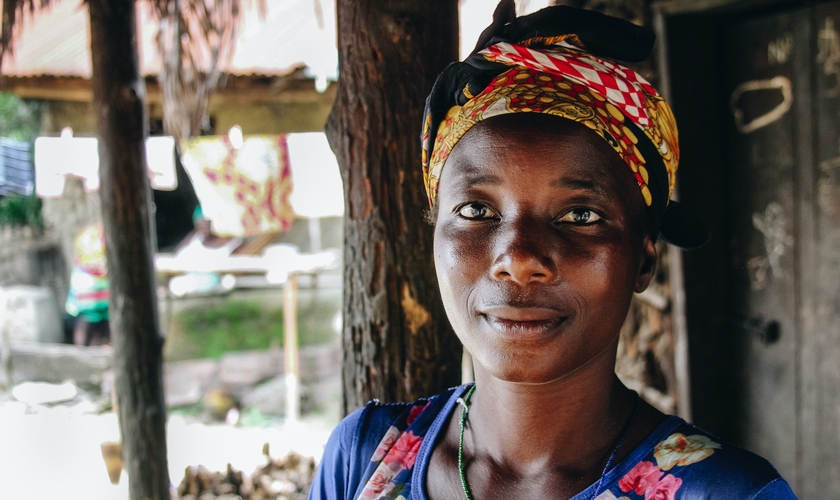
(539, 245)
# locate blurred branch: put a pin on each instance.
(196, 40)
(13, 12)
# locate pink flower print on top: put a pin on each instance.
(666, 489)
(386, 444)
(682, 450)
(381, 478)
(414, 413)
(640, 478)
(404, 451)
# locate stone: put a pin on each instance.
(185, 382)
(248, 368)
(39, 393)
(59, 362)
(269, 398)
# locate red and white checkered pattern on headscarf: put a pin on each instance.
(620, 85)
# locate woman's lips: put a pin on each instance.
(522, 321)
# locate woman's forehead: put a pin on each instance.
(534, 146)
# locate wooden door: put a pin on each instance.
(759, 107)
(764, 157)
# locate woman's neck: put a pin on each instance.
(570, 424)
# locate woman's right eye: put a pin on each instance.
(476, 210)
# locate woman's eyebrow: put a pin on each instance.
(481, 179)
(472, 181)
(578, 184)
(475, 176)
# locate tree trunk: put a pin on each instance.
(119, 93)
(398, 344)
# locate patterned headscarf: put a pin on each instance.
(546, 63)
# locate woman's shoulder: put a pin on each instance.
(681, 460)
(689, 444)
(362, 435)
(370, 423)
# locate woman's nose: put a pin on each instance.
(521, 256)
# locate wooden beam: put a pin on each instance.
(290, 338)
(237, 90)
(676, 275)
(73, 95)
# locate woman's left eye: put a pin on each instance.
(476, 210)
(580, 216)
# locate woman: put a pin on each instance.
(544, 229)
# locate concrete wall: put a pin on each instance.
(28, 258)
(14, 255)
(43, 258)
(64, 217)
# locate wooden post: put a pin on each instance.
(292, 361)
(682, 370)
(119, 94)
(398, 344)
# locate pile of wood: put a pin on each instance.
(287, 478)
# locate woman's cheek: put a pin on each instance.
(455, 266)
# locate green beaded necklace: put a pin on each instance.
(465, 409)
(465, 404)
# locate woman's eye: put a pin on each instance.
(581, 216)
(476, 210)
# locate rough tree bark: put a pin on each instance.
(119, 93)
(398, 344)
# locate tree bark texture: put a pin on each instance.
(398, 344)
(119, 94)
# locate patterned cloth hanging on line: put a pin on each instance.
(244, 191)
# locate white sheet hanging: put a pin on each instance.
(56, 158)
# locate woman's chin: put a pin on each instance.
(511, 370)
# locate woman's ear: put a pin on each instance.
(647, 265)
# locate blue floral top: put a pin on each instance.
(383, 451)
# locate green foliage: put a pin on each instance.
(21, 211)
(211, 331)
(233, 327)
(19, 119)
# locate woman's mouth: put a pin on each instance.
(522, 322)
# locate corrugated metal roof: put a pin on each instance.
(57, 41)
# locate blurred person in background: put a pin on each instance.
(87, 300)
